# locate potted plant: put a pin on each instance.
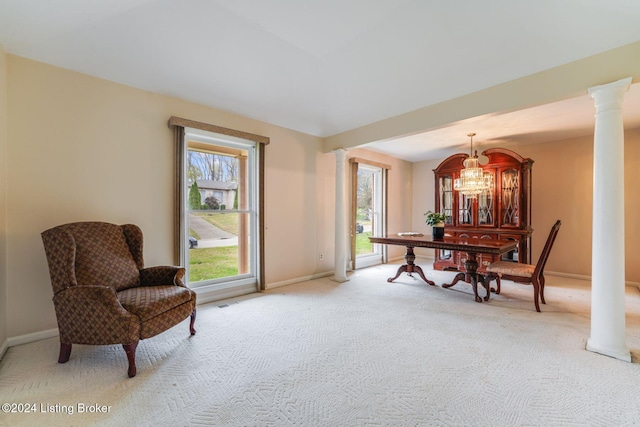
(436, 220)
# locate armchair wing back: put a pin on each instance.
(92, 253)
(103, 294)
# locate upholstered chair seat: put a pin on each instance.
(103, 294)
(512, 269)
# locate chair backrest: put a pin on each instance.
(94, 253)
(544, 256)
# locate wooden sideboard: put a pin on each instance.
(504, 212)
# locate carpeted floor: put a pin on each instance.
(360, 353)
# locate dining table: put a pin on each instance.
(471, 246)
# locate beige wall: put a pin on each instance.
(632, 205)
(562, 189)
(81, 148)
(3, 183)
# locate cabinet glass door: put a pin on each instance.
(509, 181)
(486, 208)
(446, 198)
(465, 210)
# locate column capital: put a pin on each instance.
(340, 153)
(610, 92)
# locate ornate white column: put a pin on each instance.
(340, 269)
(607, 259)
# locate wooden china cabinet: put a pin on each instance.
(504, 212)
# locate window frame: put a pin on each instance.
(179, 126)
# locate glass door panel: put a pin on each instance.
(445, 186)
(446, 198)
(369, 215)
(365, 212)
(465, 210)
(486, 207)
(510, 200)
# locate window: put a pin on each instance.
(219, 209)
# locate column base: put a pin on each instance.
(620, 353)
(339, 279)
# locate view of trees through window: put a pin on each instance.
(211, 166)
(364, 213)
(368, 212)
(215, 225)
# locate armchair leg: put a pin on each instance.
(130, 349)
(65, 352)
(193, 321)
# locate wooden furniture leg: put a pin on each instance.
(471, 265)
(410, 267)
(481, 279)
(193, 321)
(130, 349)
(458, 277)
(65, 352)
(536, 293)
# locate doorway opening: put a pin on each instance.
(368, 212)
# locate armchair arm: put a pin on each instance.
(162, 275)
(93, 315)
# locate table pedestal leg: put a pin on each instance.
(410, 267)
(456, 279)
(471, 265)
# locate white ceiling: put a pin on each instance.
(328, 66)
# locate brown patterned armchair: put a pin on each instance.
(102, 293)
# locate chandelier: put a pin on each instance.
(472, 180)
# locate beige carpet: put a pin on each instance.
(361, 353)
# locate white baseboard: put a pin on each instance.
(298, 279)
(3, 348)
(35, 336)
(585, 278)
(568, 275)
(211, 294)
(26, 339)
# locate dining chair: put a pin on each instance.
(524, 273)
